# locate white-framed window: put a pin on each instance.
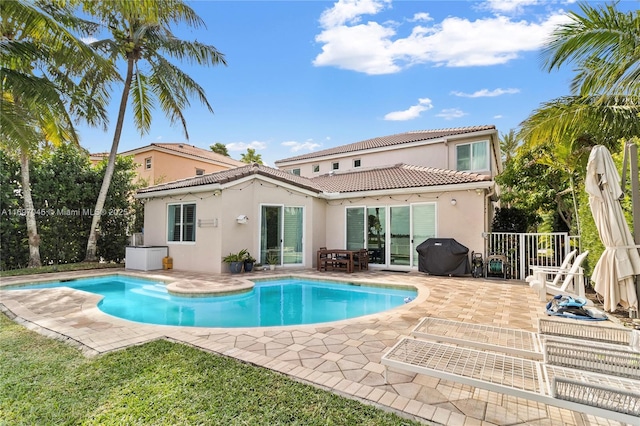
(295, 172)
(335, 166)
(147, 163)
(472, 156)
(316, 168)
(181, 222)
(199, 172)
(357, 163)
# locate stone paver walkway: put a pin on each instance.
(343, 357)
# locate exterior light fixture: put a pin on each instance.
(242, 219)
(454, 201)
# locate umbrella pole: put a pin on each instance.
(635, 203)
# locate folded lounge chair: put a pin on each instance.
(572, 278)
(524, 343)
(602, 395)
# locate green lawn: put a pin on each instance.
(45, 382)
(63, 267)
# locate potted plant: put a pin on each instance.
(272, 260)
(248, 262)
(235, 261)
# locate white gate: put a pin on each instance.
(523, 250)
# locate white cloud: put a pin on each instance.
(349, 11)
(295, 146)
(498, 116)
(486, 93)
(422, 16)
(424, 104)
(242, 146)
(508, 6)
(373, 47)
(88, 40)
(451, 113)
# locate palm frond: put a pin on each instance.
(604, 43)
(567, 118)
(142, 103)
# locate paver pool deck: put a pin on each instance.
(342, 357)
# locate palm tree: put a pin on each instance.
(602, 43)
(42, 88)
(251, 157)
(220, 148)
(508, 145)
(140, 32)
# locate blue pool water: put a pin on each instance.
(289, 301)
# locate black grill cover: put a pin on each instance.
(443, 256)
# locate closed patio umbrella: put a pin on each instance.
(620, 262)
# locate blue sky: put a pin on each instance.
(309, 75)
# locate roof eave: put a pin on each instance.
(486, 184)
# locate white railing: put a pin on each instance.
(526, 249)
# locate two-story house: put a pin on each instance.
(385, 194)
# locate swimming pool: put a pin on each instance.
(287, 301)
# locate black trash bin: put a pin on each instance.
(443, 256)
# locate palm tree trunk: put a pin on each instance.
(111, 164)
(32, 227)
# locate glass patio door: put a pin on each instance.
(423, 219)
(400, 236)
(377, 234)
(281, 230)
(355, 228)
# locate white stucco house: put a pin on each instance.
(385, 194)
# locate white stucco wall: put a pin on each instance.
(464, 221)
(220, 233)
(324, 220)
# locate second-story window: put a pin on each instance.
(335, 166)
(472, 157)
(147, 163)
(199, 172)
(357, 163)
(316, 168)
(295, 172)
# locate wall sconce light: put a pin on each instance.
(242, 219)
(454, 201)
(479, 191)
(217, 193)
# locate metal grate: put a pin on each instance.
(606, 396)
(617, 362)
(586, 331)
(602, 397)
(511, 341)
(486, 367)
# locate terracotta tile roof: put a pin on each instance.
(194, 151)
(394, 177)
(231, 175)
(392, 140)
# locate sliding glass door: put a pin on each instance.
(423, 219)
(399, 236)
(390, 233)
(281, 234)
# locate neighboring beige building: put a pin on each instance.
(388, 209)
(166, 162)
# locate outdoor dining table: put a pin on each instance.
(336, 259)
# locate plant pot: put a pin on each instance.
(248, 266)
(235, 267)
(272, 267)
